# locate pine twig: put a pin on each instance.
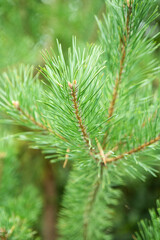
(40, 125)
(134, 150)
(119, 76)
(73, 88)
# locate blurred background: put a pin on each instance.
(26, 28)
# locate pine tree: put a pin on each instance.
(97, 109)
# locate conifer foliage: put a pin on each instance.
(19, 212)
(97, 109)
(149, 229)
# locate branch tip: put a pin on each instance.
(74, 82)
(70, 85)
(16, 104)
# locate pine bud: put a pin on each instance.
(74, 82)
(70, 85)
(16, 104)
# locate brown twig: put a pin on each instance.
(73, 88)
(40, 125)
(123, 44)
(134, 150)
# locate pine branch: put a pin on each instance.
(91, 198)
(140, 148)
(123, 44)
(86, 139)
(130, 136)
(30, 118)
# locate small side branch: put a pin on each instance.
(119, 76)
(123, 44)
(31, 119)
(73, 88)
(140, 148)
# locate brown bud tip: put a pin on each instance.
(70, 85)
(16, 104)
(74, 82)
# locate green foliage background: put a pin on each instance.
(27, 27)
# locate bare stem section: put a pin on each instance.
(140, 148)
(73, 88)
